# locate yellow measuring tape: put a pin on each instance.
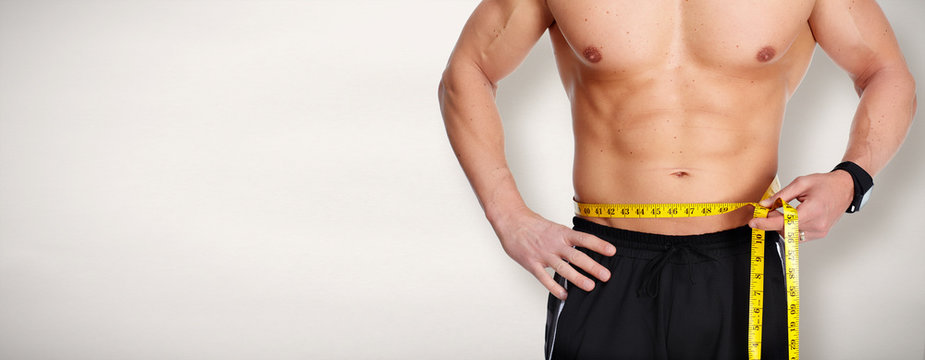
(756, 286)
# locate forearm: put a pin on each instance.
(474, 128)
(884, 115)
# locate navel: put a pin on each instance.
(680, 174)
(592, 54)
(766, 54)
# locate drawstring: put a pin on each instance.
(653, 270)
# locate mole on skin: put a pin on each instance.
(766, 54)
(592, 54)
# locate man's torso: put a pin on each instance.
(677, 100)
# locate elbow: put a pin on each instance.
(898, 79)
(465, 73)
(446, 80)
(441, 90)
(914, 96)
(450, 92)
(445, 89)
(462, 80)
(895, 73)
(906, 83)
(449, 82)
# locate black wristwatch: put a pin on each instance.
(863, 182)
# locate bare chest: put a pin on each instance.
(615, 34)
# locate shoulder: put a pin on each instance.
(856, 35)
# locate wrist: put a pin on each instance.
(845, 184)
(500, 214)
(862, 184)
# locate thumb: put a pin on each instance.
(774, 222)
(789, 192)
(769, 201)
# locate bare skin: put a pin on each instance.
(672, 101)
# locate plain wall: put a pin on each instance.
(271, 180)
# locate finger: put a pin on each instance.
(789, 192)
(594, 243)
(587, 264)
(573, 276)
(770, 201)
(549, 283)
(774, 222)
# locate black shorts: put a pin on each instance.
(669, 297)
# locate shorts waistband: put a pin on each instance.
(657, 242)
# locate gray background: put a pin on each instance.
(271, 180)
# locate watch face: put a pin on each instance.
(864, 199)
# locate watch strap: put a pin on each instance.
(863, 182)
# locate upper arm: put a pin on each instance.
(499, 35)
(857, 36)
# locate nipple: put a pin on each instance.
(765, 54)
(592, 54)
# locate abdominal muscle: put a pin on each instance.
(678, 102)
(659, 153)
